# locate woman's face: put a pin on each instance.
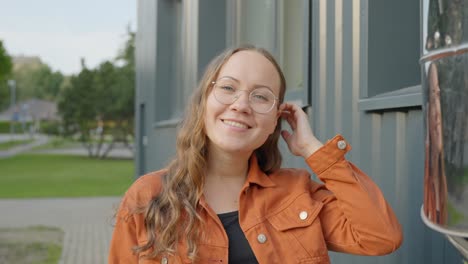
(237, 127)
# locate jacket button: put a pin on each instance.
(164, 260)
(261, 238)
(303, 215)
(341, 144)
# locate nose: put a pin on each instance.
(241, 102)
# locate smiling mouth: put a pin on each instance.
(235, 124)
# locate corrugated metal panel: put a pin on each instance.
(387, 145)
(145, 78)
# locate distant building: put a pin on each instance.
(31, 110)
(21, 61)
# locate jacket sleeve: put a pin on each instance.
(124, 238)
(355, 217)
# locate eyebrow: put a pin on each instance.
(236, 80)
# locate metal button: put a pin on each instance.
(303, 215)
(261, 238)
(341, 144)
(164, 260)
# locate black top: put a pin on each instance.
(239, 248)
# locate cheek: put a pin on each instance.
(270, 124)
(211, 108)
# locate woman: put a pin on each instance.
(224, 198)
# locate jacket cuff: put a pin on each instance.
(327, 155)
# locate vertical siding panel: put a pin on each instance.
(400, 204)
(330, 74)
(400, 179)
(413, 249)
(387, 155)
(433, 254)
(322, 85)
(384, 169)
(338, 111)
(356, 65)
(145, 63)
(347, 72)
(376, 147)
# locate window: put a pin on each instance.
(393, 46)
(280, 27)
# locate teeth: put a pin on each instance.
(235, 124)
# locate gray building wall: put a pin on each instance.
(382, 122)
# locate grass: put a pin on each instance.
(13, 143)
(58, 143)
(35, 245)
(46, 175)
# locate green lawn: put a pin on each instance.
(45, 175)
(13, 143)
(38, 244)
(59, 143)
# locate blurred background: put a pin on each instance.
(67, 92)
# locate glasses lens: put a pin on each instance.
(262, 100)
(225, 93)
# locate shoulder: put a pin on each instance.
(143, 190)
(295, 178)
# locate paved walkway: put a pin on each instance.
(8, 137)
(87, 223)
(118, 152)
(38, 141)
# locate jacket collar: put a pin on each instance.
(256, 175)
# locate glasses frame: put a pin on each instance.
(276, 99)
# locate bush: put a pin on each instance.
(5, 127)
(51, 128)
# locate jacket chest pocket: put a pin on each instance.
(298, 227)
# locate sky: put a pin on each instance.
(61, 32)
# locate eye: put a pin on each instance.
(260, 97)
(226, 88)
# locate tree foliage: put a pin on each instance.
(5, 70)
(100, 102)
(37, 80)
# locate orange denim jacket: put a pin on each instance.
(286, 216)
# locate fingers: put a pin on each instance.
(291, 113)
(289, 117)
(286, 135)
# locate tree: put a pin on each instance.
(100, 102)
(125, 110)
(78, 107)
(36, 79)
(5, 70)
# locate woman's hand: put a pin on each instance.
(301, 142)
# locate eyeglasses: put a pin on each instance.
(262, 100)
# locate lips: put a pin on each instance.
(234, 123)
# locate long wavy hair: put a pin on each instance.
(172, 214)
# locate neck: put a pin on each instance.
(227, 166)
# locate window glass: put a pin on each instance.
(393, 46)
(278, 26)
(292, 43)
